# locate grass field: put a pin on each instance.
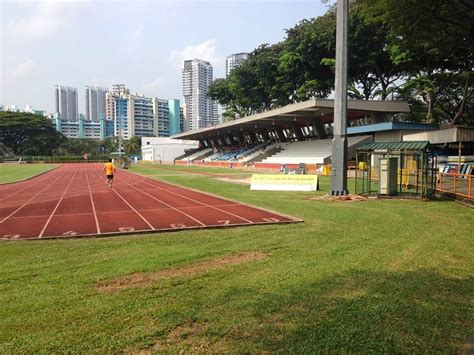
(16, 172)
(380, 276)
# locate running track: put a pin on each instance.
(73, 201)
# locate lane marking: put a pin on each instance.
(11, 236)
(177, 225)
(271, 219)
(26, 203)
(224, 222)
(57, 205)
(69, 233)
(126, 229)
(92, 202)
(240, 203)
(41, 178)
(202, 203)
(170, 206)
(133, 209)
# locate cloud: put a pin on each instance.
(154, 87)
(133, 40)
(46, 18)
(21, 70)
(205, 50)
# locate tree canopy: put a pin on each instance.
(418, 50)
(29, 134)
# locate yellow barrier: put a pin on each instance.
(327, 170)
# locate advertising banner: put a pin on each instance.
(275, 182)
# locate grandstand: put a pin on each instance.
(312, 151)
(297, 133)
(197, 155)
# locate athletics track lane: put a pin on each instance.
(73, 200)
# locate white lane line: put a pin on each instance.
(57, 205)
(202, 203)
(133, 209)
(92, 202)
(45, 176)
(166, 204)
(22, 206)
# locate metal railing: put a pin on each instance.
(454, 183)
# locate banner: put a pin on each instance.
(275, 182)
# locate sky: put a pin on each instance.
(140, 43)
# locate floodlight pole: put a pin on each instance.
(339, 142)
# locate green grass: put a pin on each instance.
(391, 276)
(16, 172)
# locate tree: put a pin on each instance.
(434, 39)
(78, 146)
(132, 145)
(26, 133)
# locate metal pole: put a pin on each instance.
(339, 142)
(120, 136)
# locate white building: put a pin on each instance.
(200, 110)
(165, 150)
(66, 102)
(95, 103)
(234, 60)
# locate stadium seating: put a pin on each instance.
(310, 152)
(197, 154)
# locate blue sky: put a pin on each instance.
(140, 43)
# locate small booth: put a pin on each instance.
(395, 169)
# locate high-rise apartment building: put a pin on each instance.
(234, 60)
(137, 115)
(201, 111)
(117, 90)
(95, 103)
(66, 103)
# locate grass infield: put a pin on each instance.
(16, 172)
(373, 276)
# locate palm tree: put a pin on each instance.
(132, 145)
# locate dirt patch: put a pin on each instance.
(346, 198)
(236, 180)
(143, 279)
(468, 348)
(186, 338)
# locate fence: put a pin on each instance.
(456, 184)
(56, 159)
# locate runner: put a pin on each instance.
(109, 170)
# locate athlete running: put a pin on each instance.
(109, 170)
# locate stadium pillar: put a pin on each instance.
(319, 129)
(281, 135)
(297, 130)
(267, 136)
(339, 142)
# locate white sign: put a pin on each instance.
(275, 182)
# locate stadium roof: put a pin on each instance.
(390, 126)
(306, 112)
(450, 135)
(415, 145)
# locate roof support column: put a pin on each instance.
(320, 130)
(280, 134)
(339, 142)
(297, 131)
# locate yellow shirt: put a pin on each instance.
(109, 169)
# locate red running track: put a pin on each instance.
(74, 201)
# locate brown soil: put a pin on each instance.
(348, 198)
(141, 279)
(236, 180)
(187, 336)
(468, 348)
